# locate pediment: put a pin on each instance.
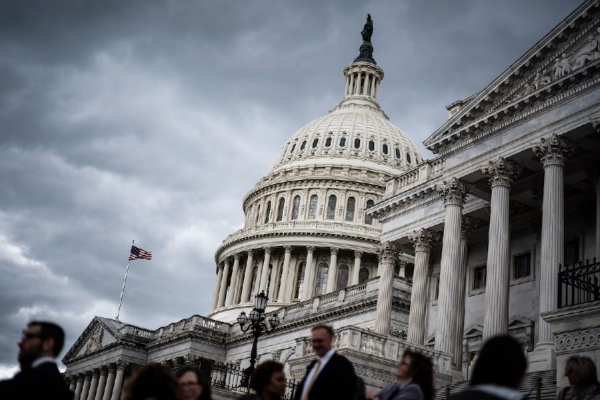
(96, 336)
(473, 330)
(566, 56)
(519, 322)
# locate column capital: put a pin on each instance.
(288, 249)
(104, 370)
(422, 239)
(95, 373)
(267, 250)
(310, 249)
(121, 364)
(468, 226)
(386, 251)
(453, 191)
(250, 253)
(236, 257)
(226, 261)
(358, 254)
(501, 172)
(334, 250)
(87, 375)
(554, 150)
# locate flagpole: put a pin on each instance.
(124, 282)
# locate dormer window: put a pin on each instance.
(385, 148)
(328, 142)
(315, 143)
(343, 142)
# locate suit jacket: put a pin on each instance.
(410, 391)
(335, 381)
(42, 382)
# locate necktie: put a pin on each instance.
(309, 384)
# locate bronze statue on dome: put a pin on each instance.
(367, 31)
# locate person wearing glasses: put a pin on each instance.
(39, 377)
(193, 384)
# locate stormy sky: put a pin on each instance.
(150, 120)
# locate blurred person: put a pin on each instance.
(415, 379)
(193, 384)
(498, 371)
(583, 378)
(268, 381)
(331, 376)
(151, 381)
(40, 344)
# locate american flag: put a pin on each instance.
(139, 254)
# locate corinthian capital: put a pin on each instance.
(386, 251)
(453, 191)
(502, 172)
(422, 239)
(468, 226)
(553, 151)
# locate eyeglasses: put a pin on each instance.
(188, 384)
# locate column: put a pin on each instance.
(366, 85)
(350, 90)
(72, 383)
(553, 153)
(332, 273)
(272, 285)
(78, 387)
(356, 269)
(373, 87)
(93, 385)
(421, 240)
(284, 274)
(101, 383)
(357, 83)
(468, 226)
(215, 298)
(234, 278)
(454, 194)
(86, 386)
(116, 393)
(265, 270)
(308, 273)
(110, 381)
(223, 285)
(247, 278)
(385, 296)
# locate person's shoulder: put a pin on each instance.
(339, 358)
(248, 397)
(471, 394)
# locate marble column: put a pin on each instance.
(272, 283)
(553, 153)
(78, 387)
(308, 273)
(247, 278)
(223, 285)
(385, 296)
(101, 383)
(72, 383)
(264, 275)
(215, 298)
(284, 274)
(93, 385)
(366, 85)
(454, 193)
(332, 273)
(421, 240)
(350, 91)
(86, 386)
(110, 382)
(116, 393)
(234, 278)
(356, 269)
(468, 226)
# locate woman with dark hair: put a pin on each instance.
(583, 378)
(415, 379)
(268, 381)
(193, 384)
(152, 381)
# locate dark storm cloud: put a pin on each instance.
(151, 120)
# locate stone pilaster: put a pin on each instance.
(234, 278)
(110, 382)
(264, 276)
(383, 317)
(356, 268)
(284, 274)
(454, 194)
(421, 240)
(116, 393)
(223, 285)
(553, 153)
(93, 385)
(332, 273)
(500, 174)
(247, 278)
(101, 383)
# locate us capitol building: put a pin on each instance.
(498, 233)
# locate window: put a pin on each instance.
(331, 207)
(385, 148)
(572, 252)
(522, 266)
(299, 281)
(293, 148)
(296, 208)
(328, 142)
(343, 142)
(371, 145)
(303, 145)
(369, 218)
(356, 143)
(321, 279)
(398, 153)
(315, 143)
(479, 274)
(258, 214)
(280, 209)
(350, 208)
(342, 278)
(363, 275)
(312, 207)
(268, 212)
(408, 158)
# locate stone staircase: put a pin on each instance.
(528, 386)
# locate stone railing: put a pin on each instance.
(364, 342)
(194, 323)
(423, 172)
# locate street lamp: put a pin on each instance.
(257, 323)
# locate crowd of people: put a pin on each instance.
(497, 375)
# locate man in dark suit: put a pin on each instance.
(329, 377)
(39, 378)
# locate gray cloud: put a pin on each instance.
(151, 120)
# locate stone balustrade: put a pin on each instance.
(421, 173)
(193, 323)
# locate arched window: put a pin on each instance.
(312, 207)
(299, 281)
(321, 279)
(363, 275)
(398, 156)
(385, 148)
(303, 145)
(296, 208)
(408, 158)
(343, 142)
(369, 218)
(328, 142)
(356, 143)
(371, 145)
(280, 209)
(331, 207)
(350, 208)
(268, 212)
(342, 278)
(293, 148)
(257, 214)
(315, 143)
(254, 283)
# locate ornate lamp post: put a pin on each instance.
(257, 323)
